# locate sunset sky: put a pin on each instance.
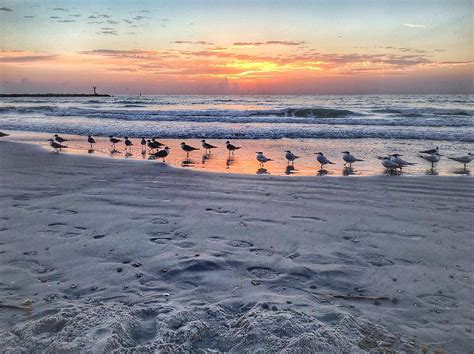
(237, 47)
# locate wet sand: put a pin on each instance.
(103, 254)
(244, 161)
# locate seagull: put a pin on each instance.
(290, 156)
(156, 142)
(433, 158)
(3, 134)
(55, 145)
(207, 146)
(59, 139)
(114, 141)
(143, 144)
(323, 160)
(128, 143)
(463, 159)
(152, 145)
(430, 151)
(262, 158)
(187, 148)
(231, 147)
(162, 154)
(400, 162)
(90, 140)
(349, 159)
(389, 164)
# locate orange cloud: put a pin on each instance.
(185, 69)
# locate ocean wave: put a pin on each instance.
(244, 131)
(420, 112)
(237, 117)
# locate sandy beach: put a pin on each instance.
(102, 254)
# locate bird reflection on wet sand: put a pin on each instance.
(229, 161)
(187, 163)
(348, 171)
(206, 156)
(462, 171)
(431, 172)
(322, 172)
(290, 169)
(114, 152)
(262, 171)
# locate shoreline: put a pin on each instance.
(244, 161)
(114, 255)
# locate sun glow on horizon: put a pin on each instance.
(154, 50)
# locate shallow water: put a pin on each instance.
(244, 160)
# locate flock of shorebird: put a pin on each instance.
(156, 149)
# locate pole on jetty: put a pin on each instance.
(95, 87)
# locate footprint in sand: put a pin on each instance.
(220, 211)
(160, 240)
(377, 260)
(438, 300)
(262, 252)
(56, 227)
(239, 244)
(262, 273)
(184, 244)
(308, 218)
(159, 221)
(99, 236)
(70, 234)
(64, 212)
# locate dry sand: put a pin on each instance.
(112, 254)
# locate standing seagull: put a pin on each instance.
(400, 162)
(59, 139)
(231, 147)
(349, 159)
(55, 145)
(262, 158)
(3, 134)
(128, 144)
(187, 148)
(143, 144)
(152, 145)
(430, 151)
(162, 154)
(207, 146)
(463, 159)
(290, 157)
(157, 143)
(90, 140)
(389, 164)
(114, 141)
(433, 158)
(323, 160)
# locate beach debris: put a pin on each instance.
(254, 282)
(26, 305)
(360, 297)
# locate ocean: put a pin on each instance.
(419, 117)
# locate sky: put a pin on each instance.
(237, 47)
